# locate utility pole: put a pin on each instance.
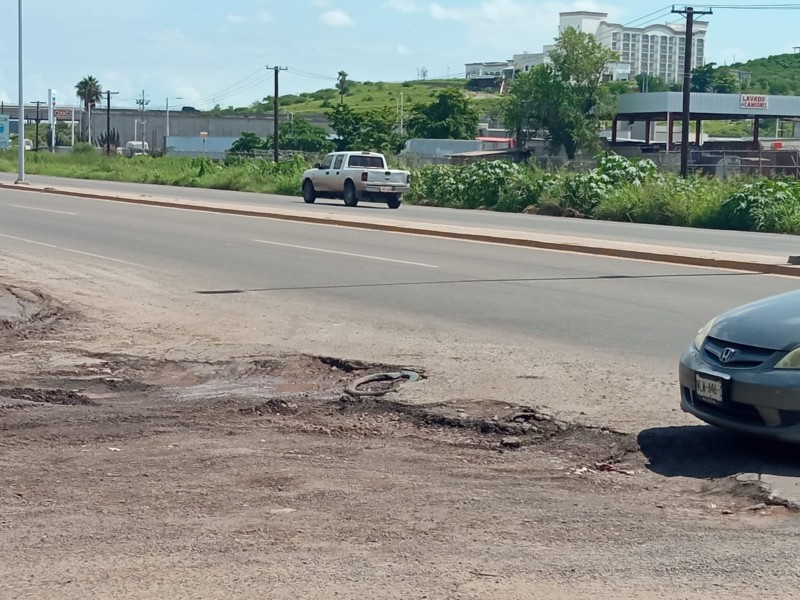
(38, 119)
(690, 14)
(143, 102)
(276, 107)
(108, 122)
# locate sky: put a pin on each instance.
(208, 52)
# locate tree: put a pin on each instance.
(343, 85)
(379, 131)
(703, 78)
(347, 124)
(300, 135)
(564, 101)
(651, 83)
(372, 130)
(450, 116)
(247, 143)
(89, 91)
(725, 82)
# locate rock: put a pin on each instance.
(748, 478)
(511, 442)
(759, 506)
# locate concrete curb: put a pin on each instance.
(671, 257)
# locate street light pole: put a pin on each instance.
(178, 98)
(21, 113)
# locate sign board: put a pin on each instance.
(203, 134)
(63, 114)
(5, 132)
(754, 102)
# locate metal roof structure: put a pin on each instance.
(707, 107)
(668, 106)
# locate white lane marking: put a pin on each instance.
(82, 253)
(60, 212)
(392, 260)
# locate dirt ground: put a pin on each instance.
(150, 450)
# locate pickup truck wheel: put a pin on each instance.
(394, 202)
(350, 196)
(309, 193)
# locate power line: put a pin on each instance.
(223, 91)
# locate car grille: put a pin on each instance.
(741, 356)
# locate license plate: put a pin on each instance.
(708, 389)
(386, 188)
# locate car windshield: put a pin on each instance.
(366, 162)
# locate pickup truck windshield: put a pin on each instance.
(366, 162)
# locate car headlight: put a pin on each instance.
(790, 361)
(701, 336)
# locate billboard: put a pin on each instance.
(5, 132)
(754, 101)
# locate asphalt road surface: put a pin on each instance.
(722, 241)
(627, 308)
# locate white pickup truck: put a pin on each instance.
(356, 176)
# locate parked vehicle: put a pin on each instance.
(356, 176)
(742, 371)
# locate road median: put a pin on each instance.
(757, 263)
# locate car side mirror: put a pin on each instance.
(318, 166)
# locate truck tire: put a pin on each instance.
(394, 201)
(350, 194)
(309, 193)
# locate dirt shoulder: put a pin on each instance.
(151, 446)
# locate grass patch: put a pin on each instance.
(244, 175)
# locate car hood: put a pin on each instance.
(772, 323)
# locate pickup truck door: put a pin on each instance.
(335, 179)
(322, 176)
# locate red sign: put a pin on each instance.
(751, 101)
(63, 114)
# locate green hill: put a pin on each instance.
(778, 75)
(368, 95)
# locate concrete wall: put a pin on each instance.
(180, 124)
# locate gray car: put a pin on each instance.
(742, 372)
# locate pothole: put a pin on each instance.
(21, 310)
(42, 396)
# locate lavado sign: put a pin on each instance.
(751, 101)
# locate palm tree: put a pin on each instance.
(90, 93)
(343, 85)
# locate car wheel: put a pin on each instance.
(394, 202)
(309, 193)
(350, 196)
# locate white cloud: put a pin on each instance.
(509, 11)
(234, 19)
(264, 16)
(406, 6)
(336, 18)
(529, 20)
(321, 3)
(403, 50)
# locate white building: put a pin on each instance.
(483, 70)
(656, 50)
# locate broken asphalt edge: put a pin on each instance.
(733, 264)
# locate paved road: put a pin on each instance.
(628, 308)
(723, 241)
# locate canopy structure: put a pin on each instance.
(668, 106)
